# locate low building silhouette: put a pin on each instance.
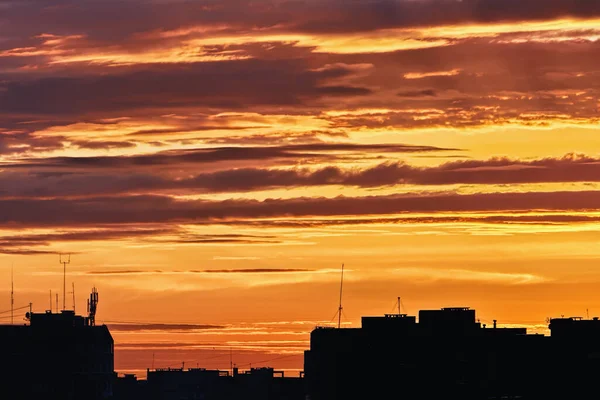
(199, 383)
(448, 354)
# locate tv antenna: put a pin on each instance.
(340, 308)
(64, 261)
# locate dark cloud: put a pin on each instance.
(418, 93)
(278, 138)
(498, 218)
(217, 154)
(203, 271)
(16, 143)
(570, 168)
(117, 20)
(125, 272)
(103, 145)
(163, 209)
(32, 244)
(226, 85)
(343, 16)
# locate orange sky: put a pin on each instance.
(211, 164)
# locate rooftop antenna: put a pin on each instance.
(12, 294)
(73, 292)
(399, 312)
(64, 262)
(92, 305)
(340, 307)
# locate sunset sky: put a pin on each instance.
(211, 164)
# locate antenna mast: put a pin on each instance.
(12, 294)
(64, 262)
(92, 306)
(399, 312)
(340, 307)
(73, 292)
(50, 300)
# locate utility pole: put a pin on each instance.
(340, 307)
(64, 262)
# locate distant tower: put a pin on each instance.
(92, 305)
(73, 293)
(340, 308)
(12, 295)
(64, 262)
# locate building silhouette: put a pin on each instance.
(447, 354)
(200, 383)
(56, 356)
(442, 354)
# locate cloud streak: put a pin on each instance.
(163, 209)
(495, 171)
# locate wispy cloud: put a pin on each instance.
(492, 277)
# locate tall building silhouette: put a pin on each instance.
(56, 356)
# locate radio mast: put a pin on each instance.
(64, 262)
(12, 294)
(340, 307)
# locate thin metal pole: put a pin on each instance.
(340, 307)
(12, 294)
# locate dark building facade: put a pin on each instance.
(447, 354)
(199, 383)
(56, 356)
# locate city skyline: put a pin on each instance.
(210, 165)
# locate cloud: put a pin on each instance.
(29, 244)
(469, 275)
(500, 170)
(217, 154)
(418, 93)
(254, 270)
(134, 327)
(231, 85)
(163, 209)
